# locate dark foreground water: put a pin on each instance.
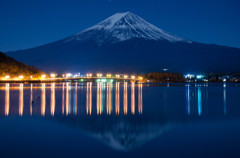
(119, 120)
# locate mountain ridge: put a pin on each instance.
(123, 26)
(101, 48)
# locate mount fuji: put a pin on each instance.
(125, 42)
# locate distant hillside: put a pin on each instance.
(164, 77)
(12, 67)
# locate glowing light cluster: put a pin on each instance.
(68, 75)
(99, 75)
(53, 75)
(89, 75)
(189, 76)
(21, 77)
(43, 76)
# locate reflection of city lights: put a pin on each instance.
(7, 100)
(21, 100)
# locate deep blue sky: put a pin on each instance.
(30, 23)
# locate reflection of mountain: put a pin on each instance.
(119, 133)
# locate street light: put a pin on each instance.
(109, 75)
(117, 76)
(53, 75)
(99, 75)
(68, 75)
(89, 75)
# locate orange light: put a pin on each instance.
(133, 77)
(117, 76)
(7, 77)
(125, 76)
(109, 75)
(21, 77)
(43, 76)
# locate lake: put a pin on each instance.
(119, 120)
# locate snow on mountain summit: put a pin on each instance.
(123, 26)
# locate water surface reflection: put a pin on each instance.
(122, 115)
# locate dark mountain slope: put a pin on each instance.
(10, 66)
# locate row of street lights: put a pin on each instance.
(52, 75)
(110, 75)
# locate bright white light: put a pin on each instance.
(43, 76)
(68, 75)
(117, 76)
(189, 76)
(199, 76)
(53, 75)
(7, 77)
(89, 75)
(125, 76)
(21, 77)
(140, 78)
(99, 75)
(109, 75)
(224, 80)
(133, 77)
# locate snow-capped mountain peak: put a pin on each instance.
(121, 27)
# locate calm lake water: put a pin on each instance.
(119, 120)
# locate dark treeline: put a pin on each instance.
(12, 67)
(164, 77)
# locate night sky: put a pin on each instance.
(29, 23)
